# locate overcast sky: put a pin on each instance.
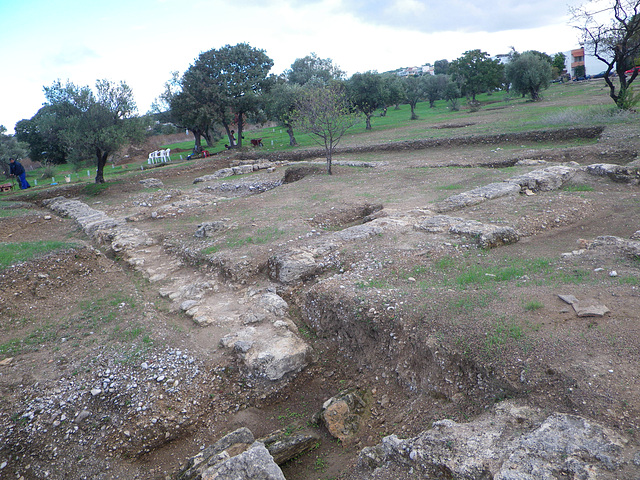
(142, 41)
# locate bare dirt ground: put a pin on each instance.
(432, 328)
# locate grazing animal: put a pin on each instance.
(257, 142)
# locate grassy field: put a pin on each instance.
(563, 105)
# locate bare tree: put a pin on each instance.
(615, 42)
(325, 113)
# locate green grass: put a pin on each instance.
(11, 253)
(235, 240)
(103, 310)
(30, 341)
(578, 188)
(533, 305)
(396, 125)
(455, 186)
(15, 212)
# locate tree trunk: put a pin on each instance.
(413, 111)
(368, 117)
(102, 161)
(328, 153)
(209, 138)
(292, 139)
(240, 125)
(198, 140)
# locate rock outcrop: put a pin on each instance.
(236, 456)
(511, 443)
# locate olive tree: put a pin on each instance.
(529, 73)
(367, 92)
(94, 123)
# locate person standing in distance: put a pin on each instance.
(16, 169)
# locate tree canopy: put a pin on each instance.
(313, 67)
(476, 73)
(414, 91)
(367, 93)
(529, 73)
(78, 122)
(281, 104)
(225, 85)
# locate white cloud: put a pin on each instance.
(142, 42)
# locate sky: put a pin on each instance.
(141, 42)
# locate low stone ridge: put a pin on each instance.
(208, 229)
(511, 443)
(98, 225)
(243, 188)
(151, 183)
(240, 168)
(486, 235)
(546, 179)
(271, 349)
(627, 247)
(617, 173)
(284, 446)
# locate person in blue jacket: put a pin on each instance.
(16, 169)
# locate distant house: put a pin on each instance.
(416, 71)
(579, 58)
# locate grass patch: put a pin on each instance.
(15, 212)
(454, 186)
(502, 332)
(101, 311)
(11, 253)
(30, 342)
(260, 237)
(533, 305)
(578, 188)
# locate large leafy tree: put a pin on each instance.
(313, 67)
(326, 114)
(441, 67)
(367, 93)
(393, 87)
(434, 88)
(414, 91)
(228, 83)
(476, 72)
(94, 123)
(558, 63)
(529, 73)
(281, 104)
(44, 133)
(190, 113)
(615, 42)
